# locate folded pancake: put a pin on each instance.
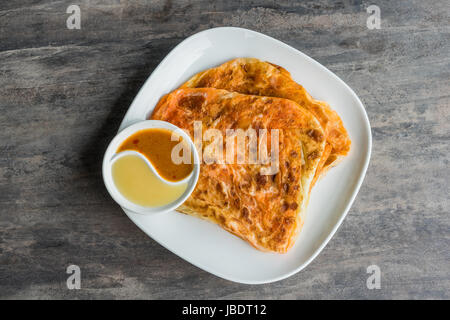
(253, 76)
(265, 210)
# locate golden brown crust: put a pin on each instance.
(252, 76)
(266, 211)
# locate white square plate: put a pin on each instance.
(205, 244)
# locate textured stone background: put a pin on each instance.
(64, 92)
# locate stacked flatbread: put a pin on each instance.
(264, 208)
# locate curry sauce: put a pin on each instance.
(157, 146)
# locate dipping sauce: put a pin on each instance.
(156, 145)
(136, 182)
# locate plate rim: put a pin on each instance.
(354, 193)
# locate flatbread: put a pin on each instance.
(256, 77)
(265, 210)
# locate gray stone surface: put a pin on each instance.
(64, 92)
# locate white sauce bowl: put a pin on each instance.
(111, 156)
